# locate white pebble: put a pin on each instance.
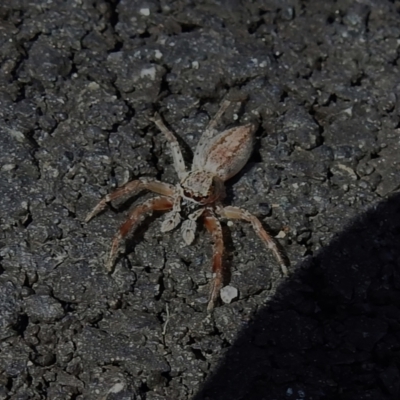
(8, 167)
(228, 293)
(145, 11)
(281, 235)
(148, 72)
(117, 388)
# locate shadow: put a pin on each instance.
(332, 331)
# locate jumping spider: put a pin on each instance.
(217, 157)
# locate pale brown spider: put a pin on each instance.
(217, 158)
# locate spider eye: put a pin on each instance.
(192, 196)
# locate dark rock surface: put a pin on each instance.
(78, 81)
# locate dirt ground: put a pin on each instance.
(78, 82)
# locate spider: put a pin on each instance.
(217, 158)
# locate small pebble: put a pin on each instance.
(145, 11)
(228, 293)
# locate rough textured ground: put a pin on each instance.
(78, 80)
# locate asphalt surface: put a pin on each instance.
(78, 83)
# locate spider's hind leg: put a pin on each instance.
(214, 120)
(179, 163)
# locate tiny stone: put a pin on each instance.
(148, 72)
(228, 293)
(118, 387)
(145, 11)
(8, 167)
(281, 235)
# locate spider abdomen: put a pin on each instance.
(227, 153)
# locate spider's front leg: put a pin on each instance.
(129, 190)
(160, 203)
(271, 243)
(214, 227)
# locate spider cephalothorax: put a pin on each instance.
(202, 187)
(217, 157)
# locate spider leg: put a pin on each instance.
(204, 142)
(214, 121)
(130, 189)
(179, 164)
(214, 227)
(271, 243)
(159, 203)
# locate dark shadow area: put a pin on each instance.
(333, 329)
